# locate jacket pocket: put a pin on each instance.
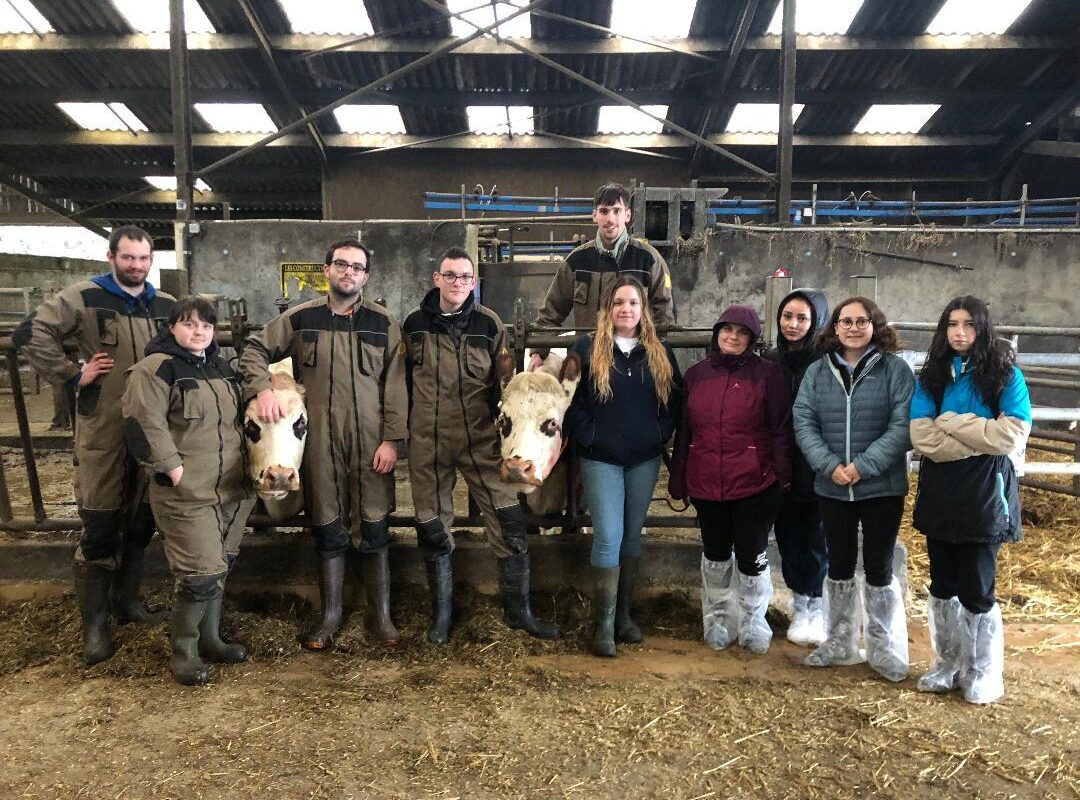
(416, 348)
(190, 400)
(87, 400)
(308, 354)
(582, 286)
(371, 356)
(108, 327)
(477, 358)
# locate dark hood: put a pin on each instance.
(819, 317)
(165, 342)
(453, 323)
(740, 315)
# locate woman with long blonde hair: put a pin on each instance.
(625, 410)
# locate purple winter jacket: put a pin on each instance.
(736, 438)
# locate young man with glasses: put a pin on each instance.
(588, 271)
(453, 343)
(111, 318)
(348, 354)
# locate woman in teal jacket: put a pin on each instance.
(970, 417)
(851, 423)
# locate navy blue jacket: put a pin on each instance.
(633, 426)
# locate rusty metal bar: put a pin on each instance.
(24, 432)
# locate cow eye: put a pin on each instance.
(299, 428)
(252, 430)
(505, 426)
(549, 427)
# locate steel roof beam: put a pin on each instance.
(297, 43)
(53, 138)
(9, 178)
(266, 52)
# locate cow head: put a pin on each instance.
(531, 415)
(276, 449)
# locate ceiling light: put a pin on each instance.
(481, 14)
(369, 119)
(327, 16)
(20, 16)
(653, 20)
(102, 116)
(500, 120)
(976, 16)
(828, 17)
(167, 183)
(152, 16)
(759, 117)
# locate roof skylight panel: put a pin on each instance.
(327, 16)
(828, 17)
(236, 117)
(653, 20)
(976, 16)
(167, 183)
(21, 16)
(369, 119)
(624, 119)
(500, 120)
(759, 117)
(152, 16)
(481, 14)
(102, 116)
(907, 118)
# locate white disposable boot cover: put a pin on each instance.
(719, 611)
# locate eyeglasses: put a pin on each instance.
(341, 266)
(847, 323)
(453, 277)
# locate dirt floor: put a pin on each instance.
(498, 715)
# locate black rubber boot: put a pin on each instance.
(210, 643)
(92, 584)
(514, 591)
(605, 588)
(125, 594)
(440, 574)
(376, 567)
(626, 630)
(331, 585)
(187, 615)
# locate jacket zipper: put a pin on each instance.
(847, 413)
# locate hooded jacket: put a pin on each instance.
(794, 363)
(735, 440)
(184, 409)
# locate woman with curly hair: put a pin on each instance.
(623, 413)
(851, 423)
(970, 416)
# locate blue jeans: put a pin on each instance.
(618, 499)
(804, 554)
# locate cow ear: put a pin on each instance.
(571, 368)
(504, 367)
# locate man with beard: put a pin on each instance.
(111, 318)
(348, 355)
(453, 343)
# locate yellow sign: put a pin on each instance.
(304, 274)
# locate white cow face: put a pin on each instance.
(276, 449)
(530, 423)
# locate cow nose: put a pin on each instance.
(278, 479)
(518, 470)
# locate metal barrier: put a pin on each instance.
(522, 336)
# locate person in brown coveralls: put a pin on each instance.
(453, 342)
(183, 419)
(348, 355)
(111, 317)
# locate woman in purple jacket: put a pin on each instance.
(733, 460)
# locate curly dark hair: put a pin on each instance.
(884, 338)
(990, 359)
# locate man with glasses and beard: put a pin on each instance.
(111, 317)
(453, 343)
(347, 353)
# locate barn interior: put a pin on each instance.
(905, 150)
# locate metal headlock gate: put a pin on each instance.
(522, 336)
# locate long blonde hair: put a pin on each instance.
(603, 345)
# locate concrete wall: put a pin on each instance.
(242, 259)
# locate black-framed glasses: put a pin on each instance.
(355, 266)
(453, 277)
(847, 323)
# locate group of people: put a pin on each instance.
(809, 439)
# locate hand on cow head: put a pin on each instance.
(275, 450)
